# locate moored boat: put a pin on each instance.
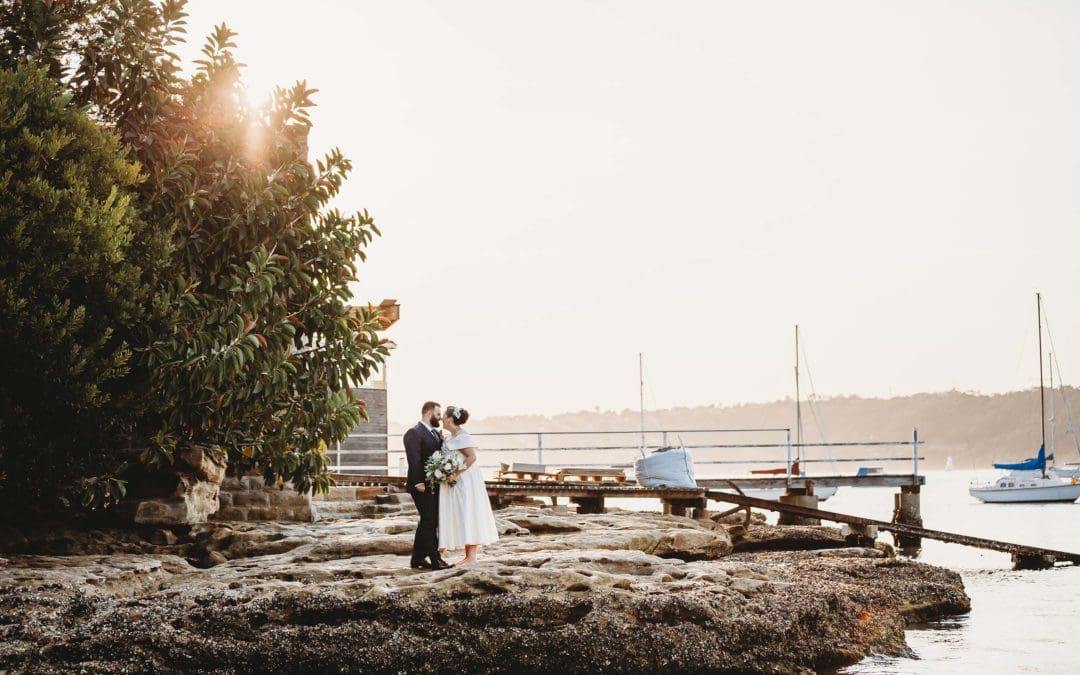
(1029, 481)
(1015, 489)
(1066, 471)
(774, 494)
(794, 469)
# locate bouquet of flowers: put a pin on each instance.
(442, 466)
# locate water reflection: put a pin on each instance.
(1020, 620)
(911, 551)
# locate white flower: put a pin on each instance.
(438, 473)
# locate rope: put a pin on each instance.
(815, 409)
(655, 412)
(1022, 352)
(1070, 427)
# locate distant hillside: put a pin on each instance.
(974, 429)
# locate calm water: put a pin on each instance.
(1026, 621)
(1020, 622)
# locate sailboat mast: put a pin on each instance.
(1042, 391)
(641, 394)
(798, 400)
(1053, 423)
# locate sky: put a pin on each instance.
(564, 185)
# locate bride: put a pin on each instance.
(465, 518)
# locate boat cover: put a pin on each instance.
(666, 468)
(1034, 464)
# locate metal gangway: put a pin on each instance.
(1023, 556)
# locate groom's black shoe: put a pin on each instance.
(420, 565)
(440, 564)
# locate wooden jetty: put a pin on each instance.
(906, 525)
(755, 483)
(589, 496)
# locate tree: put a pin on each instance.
(263, 347)
(68, 289)
(248, 341)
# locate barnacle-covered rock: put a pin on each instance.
(616, 592)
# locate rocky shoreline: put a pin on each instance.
(616, 592)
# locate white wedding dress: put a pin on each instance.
(464, 510)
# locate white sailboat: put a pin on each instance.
(774, 494)
(1027, 486)
(1028, 481)
(1072, 469)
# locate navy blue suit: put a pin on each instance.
(420, 445)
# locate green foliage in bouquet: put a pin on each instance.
(442, 467)
(248, 341)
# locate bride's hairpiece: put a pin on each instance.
(455, 412)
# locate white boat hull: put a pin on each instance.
(1042, 492)
(822, 493)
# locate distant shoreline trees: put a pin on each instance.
(238, 332)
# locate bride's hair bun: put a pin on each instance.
(460, 415)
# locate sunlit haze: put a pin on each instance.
(563, 185)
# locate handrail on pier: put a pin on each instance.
(665, 435)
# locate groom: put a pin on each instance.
(421, 442)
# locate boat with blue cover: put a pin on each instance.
(1029, 481)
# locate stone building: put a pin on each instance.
(365, 450)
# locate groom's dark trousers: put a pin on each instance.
(421, 444)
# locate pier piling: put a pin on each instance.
(802, 496)
(589, 504)
(907, 510)
(701, 510)
(697, 508)
(859, 535)
(1023, 561)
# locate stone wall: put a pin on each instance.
(187, 495)
(369, 453)
(249, 498)
(350, 501)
